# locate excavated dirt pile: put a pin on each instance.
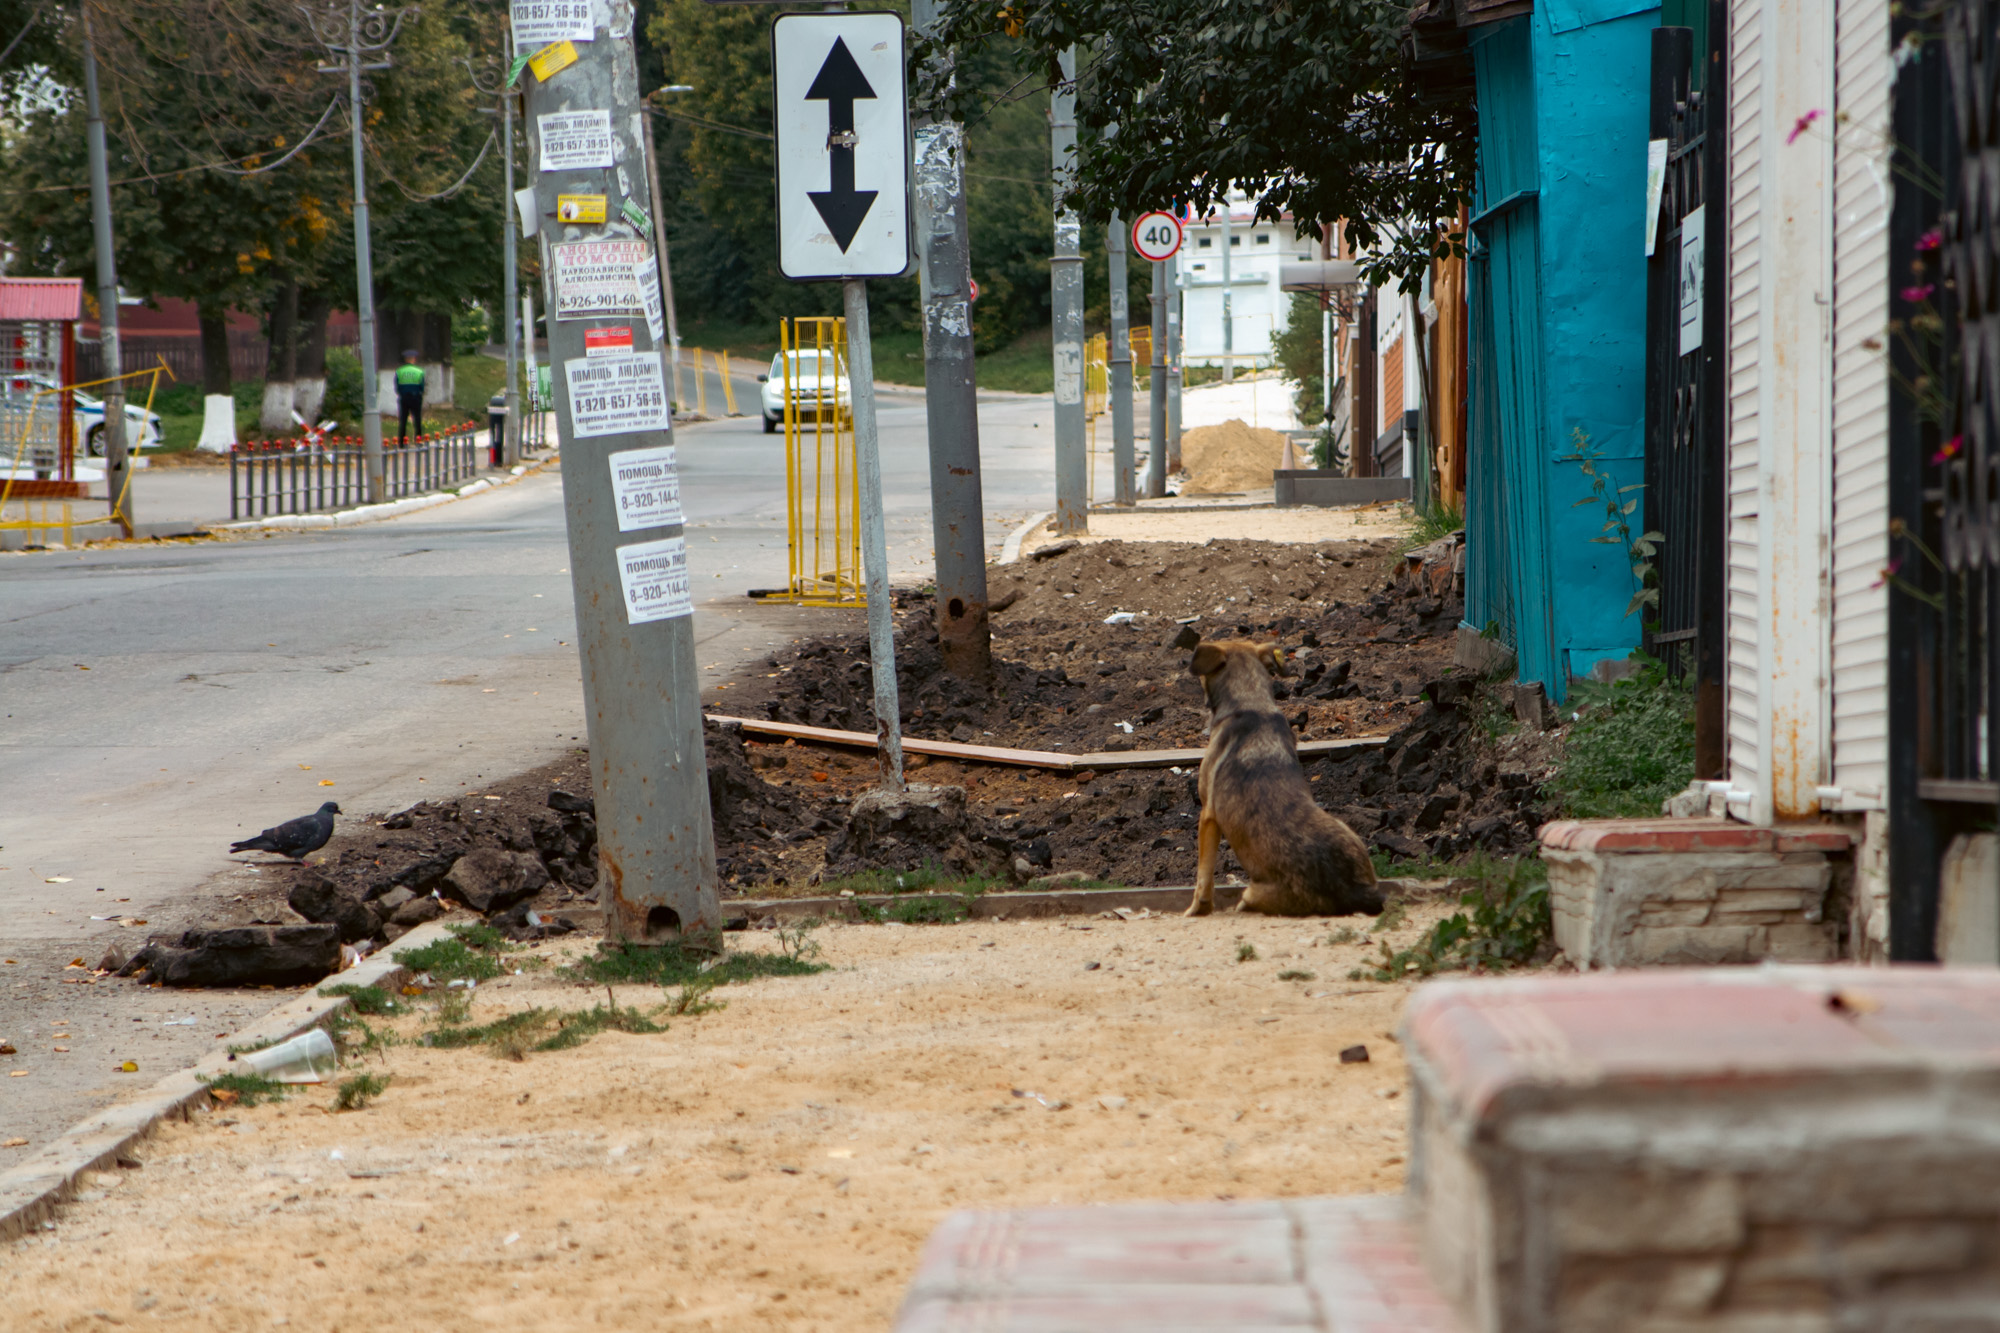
(1230, 458)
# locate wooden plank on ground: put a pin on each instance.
(1100, 761)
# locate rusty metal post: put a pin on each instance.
(628, 554)
(1066, 284)
(1122, 462)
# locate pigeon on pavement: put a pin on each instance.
(294, 837)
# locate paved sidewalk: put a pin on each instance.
(1343, 1265)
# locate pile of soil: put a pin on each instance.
(1230, 458)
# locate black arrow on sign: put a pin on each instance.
(838, 83)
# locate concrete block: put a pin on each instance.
(1799, 942)
(1715, 1151)
(1968, 928)
(1312, 486)
(1696, 945)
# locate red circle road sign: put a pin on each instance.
(975, 289)
(1157, 236)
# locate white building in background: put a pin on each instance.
(1258, 310)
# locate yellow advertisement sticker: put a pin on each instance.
(551, 59)
(580, 208)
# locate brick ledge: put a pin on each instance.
(1691, 835)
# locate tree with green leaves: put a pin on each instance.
(1308, 105)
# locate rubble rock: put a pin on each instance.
(317, 898)
(905, 830)
(417, 911)
(488, 879)
(243, 956)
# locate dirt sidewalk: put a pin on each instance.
(775, 1164)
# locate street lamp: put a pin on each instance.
(353, 34)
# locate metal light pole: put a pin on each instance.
(1176, 299)
(1156, 455)
(510, 296)
(354, 35)
(660, 245)
(951, 403)
(1066, 292)
(1228, 318)
(117, 467)
(1119, 365)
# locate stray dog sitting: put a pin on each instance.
(1301, 860)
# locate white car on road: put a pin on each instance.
(818, 382)
(142, 428)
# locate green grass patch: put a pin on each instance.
(518, 1035)
(1388, 866)
(451, 960)
(930, 878)
(924, 910)
(355, 1093)
(1631, 748)
(247, 1089)
(1295, 974)
(1246, 952)
(1433, 524)
(1505, 924)
(474, 381)
(356, 1039)
(368, 1001)
(628, 964)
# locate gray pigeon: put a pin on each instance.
(294, 837)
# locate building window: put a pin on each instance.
(1199, 267)
(1235, 241)
(1264, 239)
(1205, 242)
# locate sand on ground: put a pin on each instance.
(777, 1164)
(1230, 457)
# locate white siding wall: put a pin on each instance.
(1861, 194)
(1743, 672)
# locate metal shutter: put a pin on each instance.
(1743, 669)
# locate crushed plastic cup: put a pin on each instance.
(306, 1058)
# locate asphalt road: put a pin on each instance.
(158, 702)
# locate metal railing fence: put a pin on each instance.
(298, 478)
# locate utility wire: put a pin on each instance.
(225, 165)
(26, 28)
(710, 124)
(450, 190)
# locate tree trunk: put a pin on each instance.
(309, 396)
(218, 420)
(281, 363)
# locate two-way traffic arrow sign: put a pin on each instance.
(843, 145)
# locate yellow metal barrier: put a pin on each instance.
(823, 489)
(46, 521)
(728, 390)
(1142, 350)
(700, 386)
(1096, 398)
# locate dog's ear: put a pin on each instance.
(1273, 658)
(1207, 660)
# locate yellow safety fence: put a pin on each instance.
(721, 360)
(823, 487)
(1096, 399)
(45, 515)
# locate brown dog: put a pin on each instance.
(1302, 861)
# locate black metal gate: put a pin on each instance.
(1686, 356)
(1944, 454)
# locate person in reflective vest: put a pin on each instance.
(409, 396)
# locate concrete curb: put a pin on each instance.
(1028, 904)
(31, 1191)
(347, 518)
(1012, 550)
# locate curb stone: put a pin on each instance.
(1011, 552)
(31, 1191)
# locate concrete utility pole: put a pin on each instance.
(1119, 365)
(1228, 318)
(510, 299)
(951, 390)
(117, 467)
(1066, 291)
(621, 491)
(1156, 455)
(356, 34)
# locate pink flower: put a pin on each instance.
(1800, 125)
(1916, 294)
(1931, 239)
(1950, 450)
(1888, 573)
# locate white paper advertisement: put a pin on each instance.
(647, 274)
(655, 578)
(537, 23)
(1694, 236)
(575, 140)
(646, 487)
(616, 394)
(595, 278)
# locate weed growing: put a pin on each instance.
(1295, 974)
(1433, 524)
(1631, 748)
(937, 910)
(628, 964)
(931, 878)
(1345, 935)
(357, 1040)
(515, 1036)
(796, 941)
(1246, 952)
(1505, 924)
(1392, 918)
(245, 1089)
(368, 1001)
(355, 1093)
(451, 960)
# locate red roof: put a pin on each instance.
(41, 298)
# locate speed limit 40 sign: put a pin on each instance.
(1157, 236)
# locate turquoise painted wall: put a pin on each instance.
(1563, 92)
